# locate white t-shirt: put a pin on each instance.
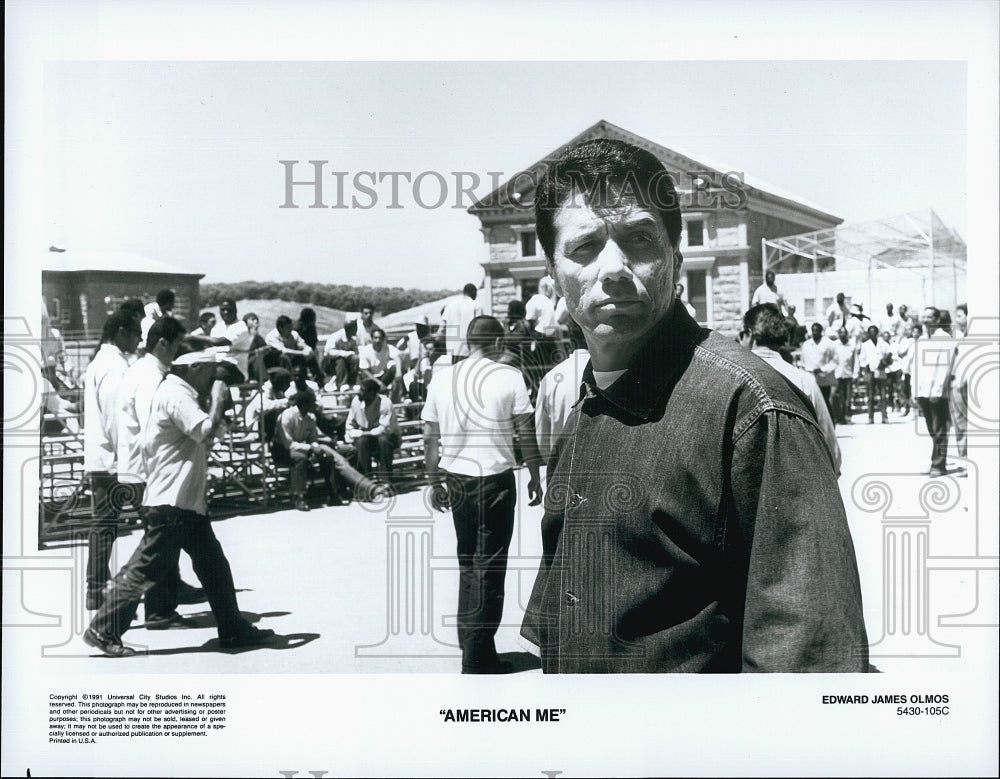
(378, 362)
(558, 391)
(101, 407)
(474, 403)
(238, 351)
(175, 448)
(455, 320)
(542, 311)
(136, 393)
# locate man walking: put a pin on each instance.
(136, 391)
(101, 405)
(174, 446)
(472, 411)
(694, 522)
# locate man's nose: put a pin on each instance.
(613, 264)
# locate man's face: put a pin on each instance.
(902, 312)
(378, 340)
(201, 376)
(616, 269)
(817, 332)
(873, 334)
(285, 329)
(253, 323)
(888, 308)
(886, 336)
(368, 394)
(209, 323)
(769, 278)
(842, 335)
(128, 340)
(228, 313)
(961, 319)
(927, 318)
(366, 315)
(167, 350)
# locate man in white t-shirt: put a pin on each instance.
(380, 361)
(455, 321)
(540, 309)
(176, 509)
(237, 335)
(472, 411)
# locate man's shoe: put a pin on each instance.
(334, 500)
(935, 472)
(251, 637)
(95, 599)
(301, 505)
(188, 594)
(111, 647)
(169, 622)
(345, 387)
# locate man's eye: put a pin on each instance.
(642, 239)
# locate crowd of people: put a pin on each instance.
(693, 520)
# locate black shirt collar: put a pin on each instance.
(655, 369)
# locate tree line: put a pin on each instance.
(387, 300)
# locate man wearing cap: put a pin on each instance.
(693, 521)
(101, 405)
(174, 446)
(236, 346)
(136, 392)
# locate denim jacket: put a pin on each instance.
(693, 522)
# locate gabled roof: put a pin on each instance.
(672, 159)
(73, 260)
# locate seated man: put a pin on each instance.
(380, 361)
(340, 357)
(372, 428)
(297, 443)
(206, 322)
(288, 348)
(274, 399)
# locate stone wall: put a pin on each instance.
(727, 299)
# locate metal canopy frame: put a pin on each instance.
(917, 243)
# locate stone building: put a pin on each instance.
(726, 216)
(82, 289)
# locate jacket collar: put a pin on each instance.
(655, 369)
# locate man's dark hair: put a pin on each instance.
(936, 316)
(167, 328)
(122, 319)
(377, 329)
(134, 307)
(283, 320)
(840, 297)
(351, 327)
(370, 385)
(516, 309)
(369, 306)
(303, 396)
(165, 299)
(963, 307)
(483, 332)
(307, 316)
(205, 316)
(227, 303)
(767, 326)
(470, 291)
(605, 171)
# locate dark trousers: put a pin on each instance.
(335, 469)
(483, 513)
(382, 448)
(875, 387)
(168, 530)
(892, 388)
(824, 390)
(935, 411)
(840, 400)
(345, 369)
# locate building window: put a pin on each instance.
(697, 294)
(696, 232)
(528, 244)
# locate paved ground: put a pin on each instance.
(372, 589)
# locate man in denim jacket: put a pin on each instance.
(693, 520)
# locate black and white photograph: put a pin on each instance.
(557, 389)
